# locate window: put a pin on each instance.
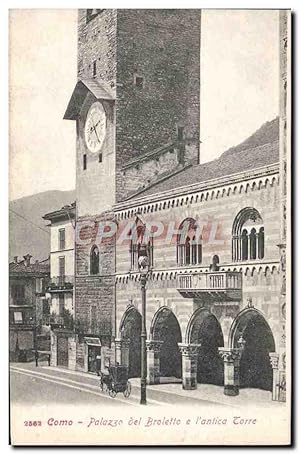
(100, 157)
(244, 245)
(260, 243)
(248, 236)
(61, 239)
(189, 244)
(61, 270)
(252, 239)
(138, 81)
(180, 130)
(94, 68)
(18, 293)
(94, 260)
(61, 304)
(92, 13)
(139, 238)
(84, 162)
(40, 285)
(18, 317)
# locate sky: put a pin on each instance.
(239, 89)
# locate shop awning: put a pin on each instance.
(93, 341)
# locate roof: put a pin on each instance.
(31, 269)
(80, 92)
(148, 155)
(65, 212)
(227, 164)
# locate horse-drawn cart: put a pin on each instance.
(116, 381)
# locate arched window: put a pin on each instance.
(94, 260)
(189, 244)
(244, 245)
(261, 243)
(252, 237)
(187, 251)
(248, 236)
(139, 236)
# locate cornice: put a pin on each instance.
(208, 190)
(171, 273)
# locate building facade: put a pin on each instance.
(27, 305)
(61, 288)
(213, 292)
(62, 226)
(213, 231)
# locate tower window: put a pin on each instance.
(139, 81)
(100, 157)
(84, 162)
(94, 260)
(180, 130)
(91, 13)
(94, 68)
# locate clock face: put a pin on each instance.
(95, 127)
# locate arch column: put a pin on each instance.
(122, 351)
(231, 358)
(274, 360)
(153, 361)
(189, 354)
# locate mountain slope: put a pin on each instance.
(267, 133)
(27, 230)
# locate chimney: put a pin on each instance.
(16, 259)
(27, 259)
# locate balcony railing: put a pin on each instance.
(61, 282)
(218, 285)
(53, 320)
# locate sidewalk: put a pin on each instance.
(171, 393)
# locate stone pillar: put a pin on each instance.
(85, 357)
(274, 360)
(189, 365)
(53, 359)
(153, 361)
(118, 346)
(122, 351)
(231, 358)
(72, 345)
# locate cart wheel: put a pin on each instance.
(127, 391)
(112, 393)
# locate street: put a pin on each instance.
(35, 387)
(43, 384)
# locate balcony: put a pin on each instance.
(61, 283)
(56, 320)
(218, 286)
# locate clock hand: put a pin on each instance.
(93, 127)
(99, 121)
(95, 130)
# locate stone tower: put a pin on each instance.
(137, 110)
(144, 68)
